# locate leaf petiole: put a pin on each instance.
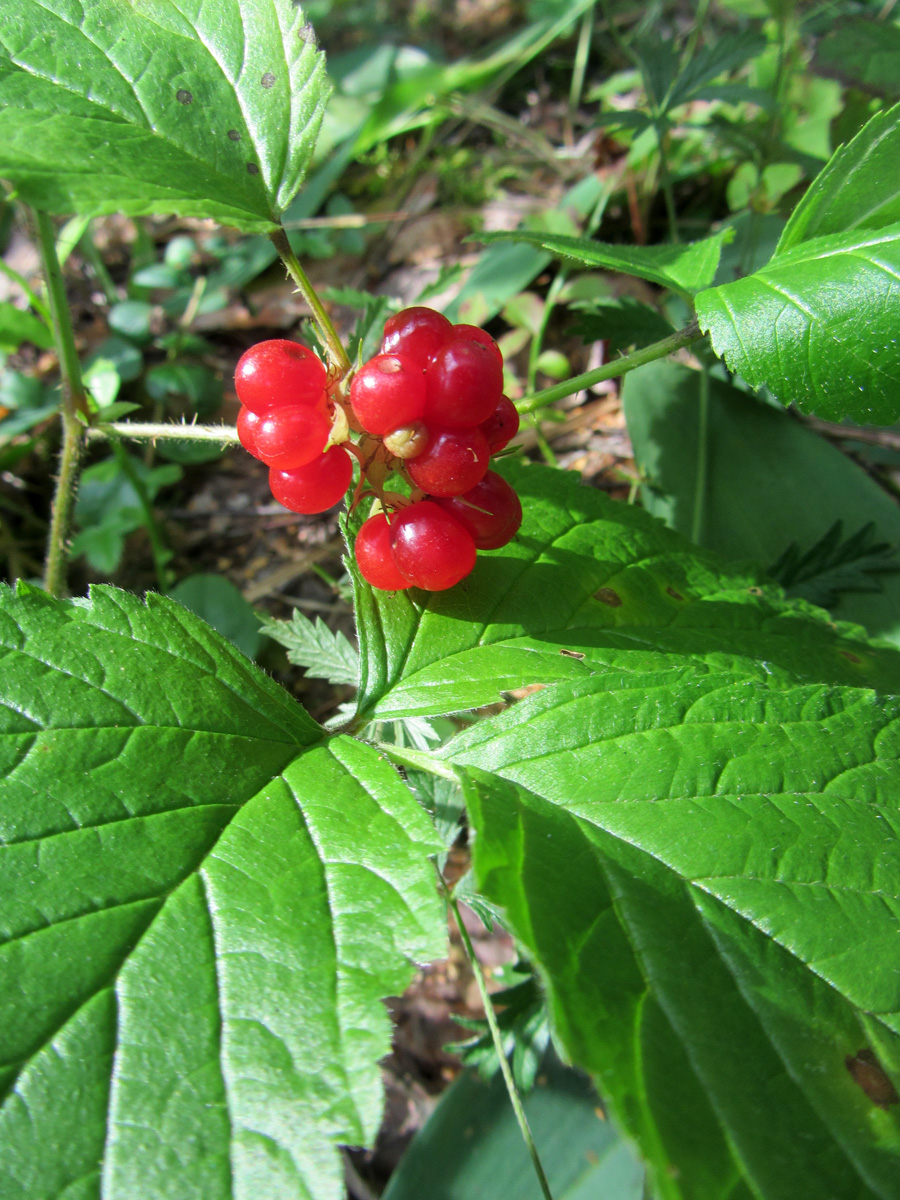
(620, 366)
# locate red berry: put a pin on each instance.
(292, 437)
(430, 547)
(465, 383)
(278, 372)
(502, 425)
(491, 511)
(374, 556)
(315, 486)
(247, 424)
(418, 332)
(388, 392)
(453, 462)
(475, 334)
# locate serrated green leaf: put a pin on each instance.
(769, 480)
(324, 654)
(588, 583)
(682, 268)
(158, 108)
(204, 903)
(817, 325)
(727, 852)
(858, 189)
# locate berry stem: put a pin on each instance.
(336, 352)
(74, 409)
(151, 431)
(620, 366)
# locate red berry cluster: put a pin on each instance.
(429, 406)
(434, 395)
(286, 420)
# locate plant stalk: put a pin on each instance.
(628, 362)
(496, 1036)
(152, 431)
(336, 351)
(74, 409)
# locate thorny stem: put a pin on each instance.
(336, 351)
(496, 1036)
(74, 408)
(620, 366)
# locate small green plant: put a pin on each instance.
(689, 823)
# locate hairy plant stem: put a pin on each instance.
(152, 431)
(497, 1038)
(336, 351)
(74, 409)
(628, 362)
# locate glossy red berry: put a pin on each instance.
(278, 372)
(491, 511)
(292, 437)
(388, 392)
(475, 334)
(317, 485)
(502, 425)
(375, 558)
(430, 547)
(419, 332)
(247, 424)
(453, 461)
(465, 383)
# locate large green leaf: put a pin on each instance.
(817, 325)
(590, 582)
(682, 268)
(204, 902)
(706, 869)
(858, 189)
(168, 106)
(862, 53)
(748, 480)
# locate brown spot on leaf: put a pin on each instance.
(670, 591)
(234, 135)
(608, 596)
(572, 653)
(849, 657)
(867, 1072)
(183, 96)
(252, 169)
(754, 591)
(268, 80)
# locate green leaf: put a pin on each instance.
(769, 480)
(589, 583)
(17, 326)
(156, 108)
(682, 268)
(817, 325)
(724, 54)
(862, 53)
(858, 189)
(204, 903)
(836, 564)
(718, 859)
(324, 654)
(471, 1145)
(221, 605)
